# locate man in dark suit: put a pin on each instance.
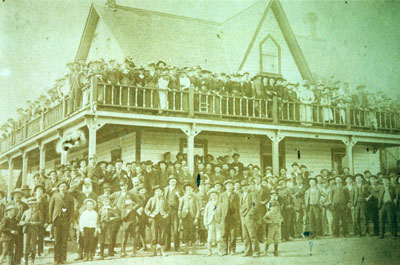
(386, 206)
(357, 199)
(339, 199)
(61, 214)
(149, 175)
(230, 216)
(372, 212)
(249, 214)
(172, 195)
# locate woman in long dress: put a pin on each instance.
(163, 83)
(326, 103)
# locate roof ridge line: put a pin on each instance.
(242, 11)
(128, 8)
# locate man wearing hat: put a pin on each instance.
(236, 162)
(250, 217)
(229, 218)
(312, 202)
(157, 211)
(9, 231)
(108, 216)
(43, 205)
(162, 175)
(357, 200)
(52, 181)
(129, 227)
(148, 175)
(20, 208)
(202, 198)
(386, 206)
(212, 219)
(119, 174)
(31, 221)
(61, 213)
(189, 214)
(172, 196)
(372, 212)
(339, 199)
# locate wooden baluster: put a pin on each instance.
(207, 109)
(181, 100)
(120, 95)
(151, 98)
(240, 107)
(112, 95)
(144, 97)
(136, 99)
(254, 107)
(213, 104)
(129, 97)
(173, 100)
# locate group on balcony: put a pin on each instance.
(165, 88)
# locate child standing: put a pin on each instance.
(32, 220)
(108, 216)
(9, 231)
(274, 219)
(88, 227)
(212, 219)
(129, 226)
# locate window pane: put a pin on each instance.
(269, 57)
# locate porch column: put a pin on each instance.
(350, 142)
(24, 166)
(191, 132)
(10, 177)
(275, 138)
(42, 156)
(64, 157)
(91, 124)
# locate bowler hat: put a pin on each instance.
(10, 207)
(235, 154)
(31, 200)
(213, 190)
(228, 181)
(17, 190)
(38, 186)
(156, 187)
(172, 177)
(61, 182)
(106, 186)
(187, 184)
(295, 164)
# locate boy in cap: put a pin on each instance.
(274, 220)
(107, 218)
(129, 227)
(189, 213)
(212, 219)
(31, 221)
(9, 231)
(88, 226)
(157, 211)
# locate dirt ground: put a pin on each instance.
(349, 250)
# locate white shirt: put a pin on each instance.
(88, 219)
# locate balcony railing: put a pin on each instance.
(109, 97)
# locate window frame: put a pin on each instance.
(270, 37)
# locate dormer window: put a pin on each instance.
(270, 56)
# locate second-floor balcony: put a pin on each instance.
(213, 106)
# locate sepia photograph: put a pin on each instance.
(205, 132)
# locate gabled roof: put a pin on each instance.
(151, 36)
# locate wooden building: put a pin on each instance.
(258, 40)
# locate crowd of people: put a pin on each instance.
(332, 97)
(165, 206)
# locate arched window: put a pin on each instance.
(270, 56)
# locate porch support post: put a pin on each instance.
(191, 132)
(64, 157)
(42, 156)
(24, 166)
(10, 177)
(275, 138)
(92, 127)
(350, 142)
